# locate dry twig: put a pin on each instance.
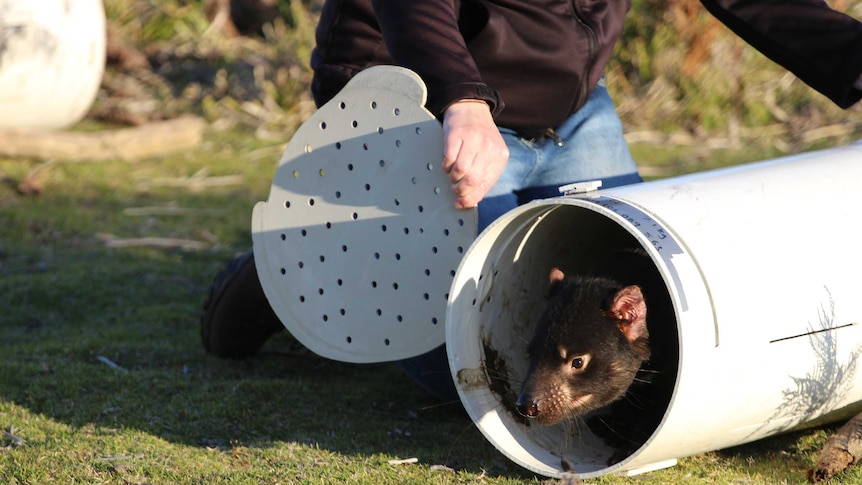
(841, 451)
(110, 363)
(148, 140)
(16, 441)
(112, 241)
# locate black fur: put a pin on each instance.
(630, 379)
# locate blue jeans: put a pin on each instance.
(590, 146)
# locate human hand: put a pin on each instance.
(474, 153)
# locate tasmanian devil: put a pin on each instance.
(589, 343)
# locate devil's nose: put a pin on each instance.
(526, 406)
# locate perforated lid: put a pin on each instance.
(359, 241)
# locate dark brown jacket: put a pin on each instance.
(536, 61)
(541, 57)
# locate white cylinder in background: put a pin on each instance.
(52, 57)
(762, 266)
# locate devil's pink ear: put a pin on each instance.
(629, 308)
(556, 276)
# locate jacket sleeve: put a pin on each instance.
(423, 35)
(821, 46)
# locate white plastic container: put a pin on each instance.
(762, 268)
(52, 57)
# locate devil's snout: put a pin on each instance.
(526, 406)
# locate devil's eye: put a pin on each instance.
(577, 363)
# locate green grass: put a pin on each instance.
(169, 413)
(173, 414)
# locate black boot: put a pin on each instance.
(237, 318)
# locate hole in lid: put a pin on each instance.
(322, 172)
(355, 216)
(434, 249)
(413, 180)
(322, 259)
(399, 318)
(460, 222)
(379, 312)
(430, 166)
(367, 187)
(434, 320)
(355, 123)
(287, 204)
(396, 111)
(337, 194)
(349, 167)
(310, 201)
(436, 190)
(374, 285)
(308, 149)
(418, 130)
(343, 248)
(283, 271)
(382, 162)
(296, 174)
(460, 249)
(406, 230)
(427, 272)
(365, 146)
(322, 125)
(426, 296)
(342, 312)
(342, 105)
(301, 265)
(329, 225)
(452, 272)
(303, 232)
(386, 341)
(325, 317)
(374, 105)
(283, 236)
(398, 256)
(349, 339)
(376, 255)
(395, 286)
(383, 227)
(338, 145)
(445, 232)
(320, 291)
(340, 282)
(421, 209)
(301, 299)
(397, 143)
(380, 130)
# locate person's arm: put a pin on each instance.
(423, 36)
(821, 46)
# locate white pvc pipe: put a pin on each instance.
(52, 56)
(762, 267)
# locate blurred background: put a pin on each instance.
(679, 77)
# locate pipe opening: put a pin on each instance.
(513, 286)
